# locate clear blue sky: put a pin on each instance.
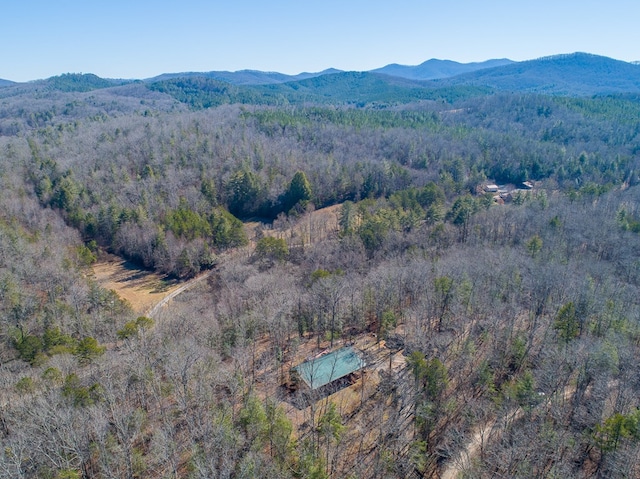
(141, 39)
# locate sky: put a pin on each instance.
(141, 39)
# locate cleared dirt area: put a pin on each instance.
(143, 289)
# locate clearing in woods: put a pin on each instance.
(145, 289)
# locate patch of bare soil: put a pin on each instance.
(143, 289)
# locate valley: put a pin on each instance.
(173, 250)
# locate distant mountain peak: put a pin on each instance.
(435, 69)
(78, 82)
(566, 56)
(578, 56)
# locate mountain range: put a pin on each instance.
(576, 74)
(430, 70)
(244, 77)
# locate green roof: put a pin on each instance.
(329, 367)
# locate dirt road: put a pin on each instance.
(185, 286)
(488, 432)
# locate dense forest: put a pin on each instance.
(501, 330)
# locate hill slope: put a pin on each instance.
(79, 82)
(576, 74)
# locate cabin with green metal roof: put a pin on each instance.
(327, 368)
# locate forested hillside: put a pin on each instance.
(576, 74)
(244, 77)
(500, 329)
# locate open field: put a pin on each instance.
(143, 289)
